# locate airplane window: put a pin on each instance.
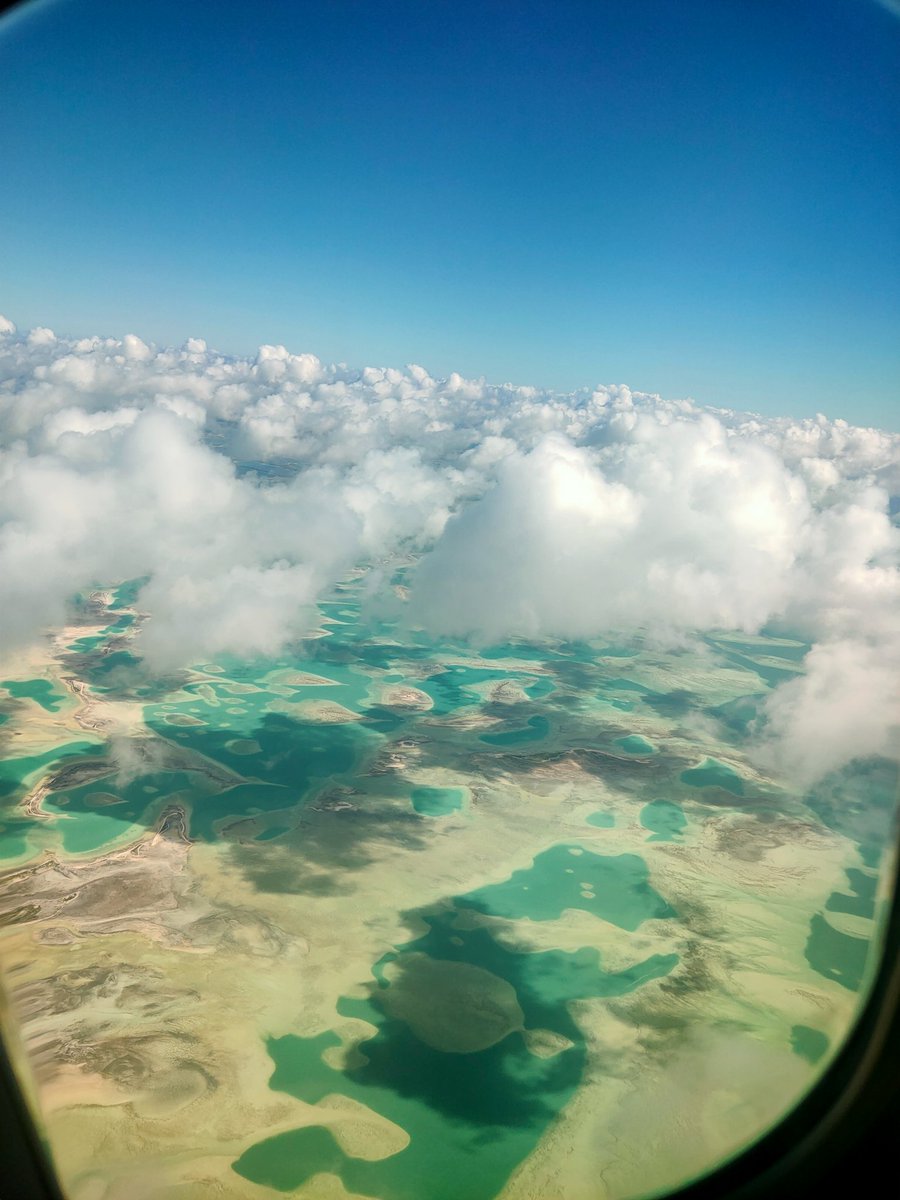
(415, 785)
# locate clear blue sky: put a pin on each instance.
(698, 197)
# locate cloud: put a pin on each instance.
(244, 487)
(680, 529)
(843, 707)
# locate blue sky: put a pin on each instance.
(693, 198)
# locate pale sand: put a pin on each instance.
(399, 696)
(544, 1043)
(288, 678)
(317, 712)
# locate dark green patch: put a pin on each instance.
(835, 955)
(273, 831)
(537, 728)
(664, 818)
(714, 774)
(861, 901)
(809, 1043)
(288, 1160)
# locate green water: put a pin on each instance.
(453, 687)
(536, 729)
(714, 774)
(437, 802)
(836, 955)
(540, 688)
(126, 594)
(16, 773)
(627, 685)
(860, 901)
(105, 673)
(273, 831)
(633, 743)
(740, 714)
(39, 690)
(86, 825)
(293, 752)
(769, 673)
(208, 812)
(602, 820)
(809, 1043)
(16, 776)
(665, 819)
(84, 645)
(613, 887)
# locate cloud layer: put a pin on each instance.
(243, 488)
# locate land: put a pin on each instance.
(324, 925)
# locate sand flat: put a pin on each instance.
(155, 974)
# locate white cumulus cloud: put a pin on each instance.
(244, 487)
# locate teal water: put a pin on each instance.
(16, 776)
(770, 674)
(536, 729)
(602, 820)
(618, 652)
(87, 825)
(627, 685)
(665, 819)
(613, 887)
(208, 812)
(635, 744)
(273, 831)
(774, 647)
(15, 773)
(84, 645)
(126, 594)
(39, 690)
(452, 687)
(540, 688)
(739, 715)
(101, 673)
(714, 774)
(437, 802)
(294, 753)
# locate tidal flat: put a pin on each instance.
(395, 918)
